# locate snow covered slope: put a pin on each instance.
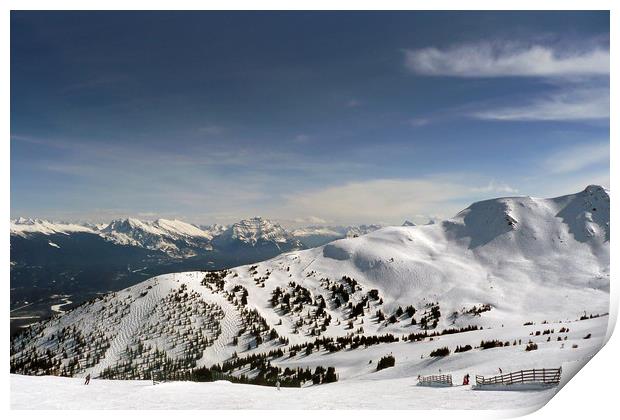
(313, 236)
(507, 265)
(365, 388)
(355, 231)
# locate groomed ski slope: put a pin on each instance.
(36, 392)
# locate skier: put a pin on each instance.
(466, 379)
(278, 384)
(87, 379)
(500, 371)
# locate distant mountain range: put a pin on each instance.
(179, 239)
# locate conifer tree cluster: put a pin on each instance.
(267, 375)
(425, 334)
(461, 349)
(183, 325)
(477, 310)
(484, 345)
(50, 348)
(430, 318)
(386, 362)
(440, 352)
(214, 280)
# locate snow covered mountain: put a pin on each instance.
(174, 237)
(256, 235)
(180, 239)
(313, 236)
(355, 231)
(24, 227)
(502, 265)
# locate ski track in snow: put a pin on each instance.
(221, 348)
(130, 324)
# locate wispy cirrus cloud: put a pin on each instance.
(501, 59)
(565, 105)
(578, 157)
(418, 122)
(582, 73)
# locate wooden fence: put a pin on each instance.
(435, 380)
(543, 376)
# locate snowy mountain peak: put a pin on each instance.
(597, 189)
(25, 226)
(174, 237)
(255, 231)
(123, 225)
(25, 221)
(181, 228)
(355, 231)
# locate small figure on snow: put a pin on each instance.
(466, 379)
(500, 371)
(87, 379)
(278, 384)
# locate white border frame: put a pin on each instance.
(591, 392)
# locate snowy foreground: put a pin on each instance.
(70, 393)
(392, 388)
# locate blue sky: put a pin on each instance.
(303, 117)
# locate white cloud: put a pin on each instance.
(211, 129)
(392, 200)
(576, 104)
(496, 187)
(301, 138)
(310, 219)
(578, 157)
(500, 59)
(148, 214)
(419, 122)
